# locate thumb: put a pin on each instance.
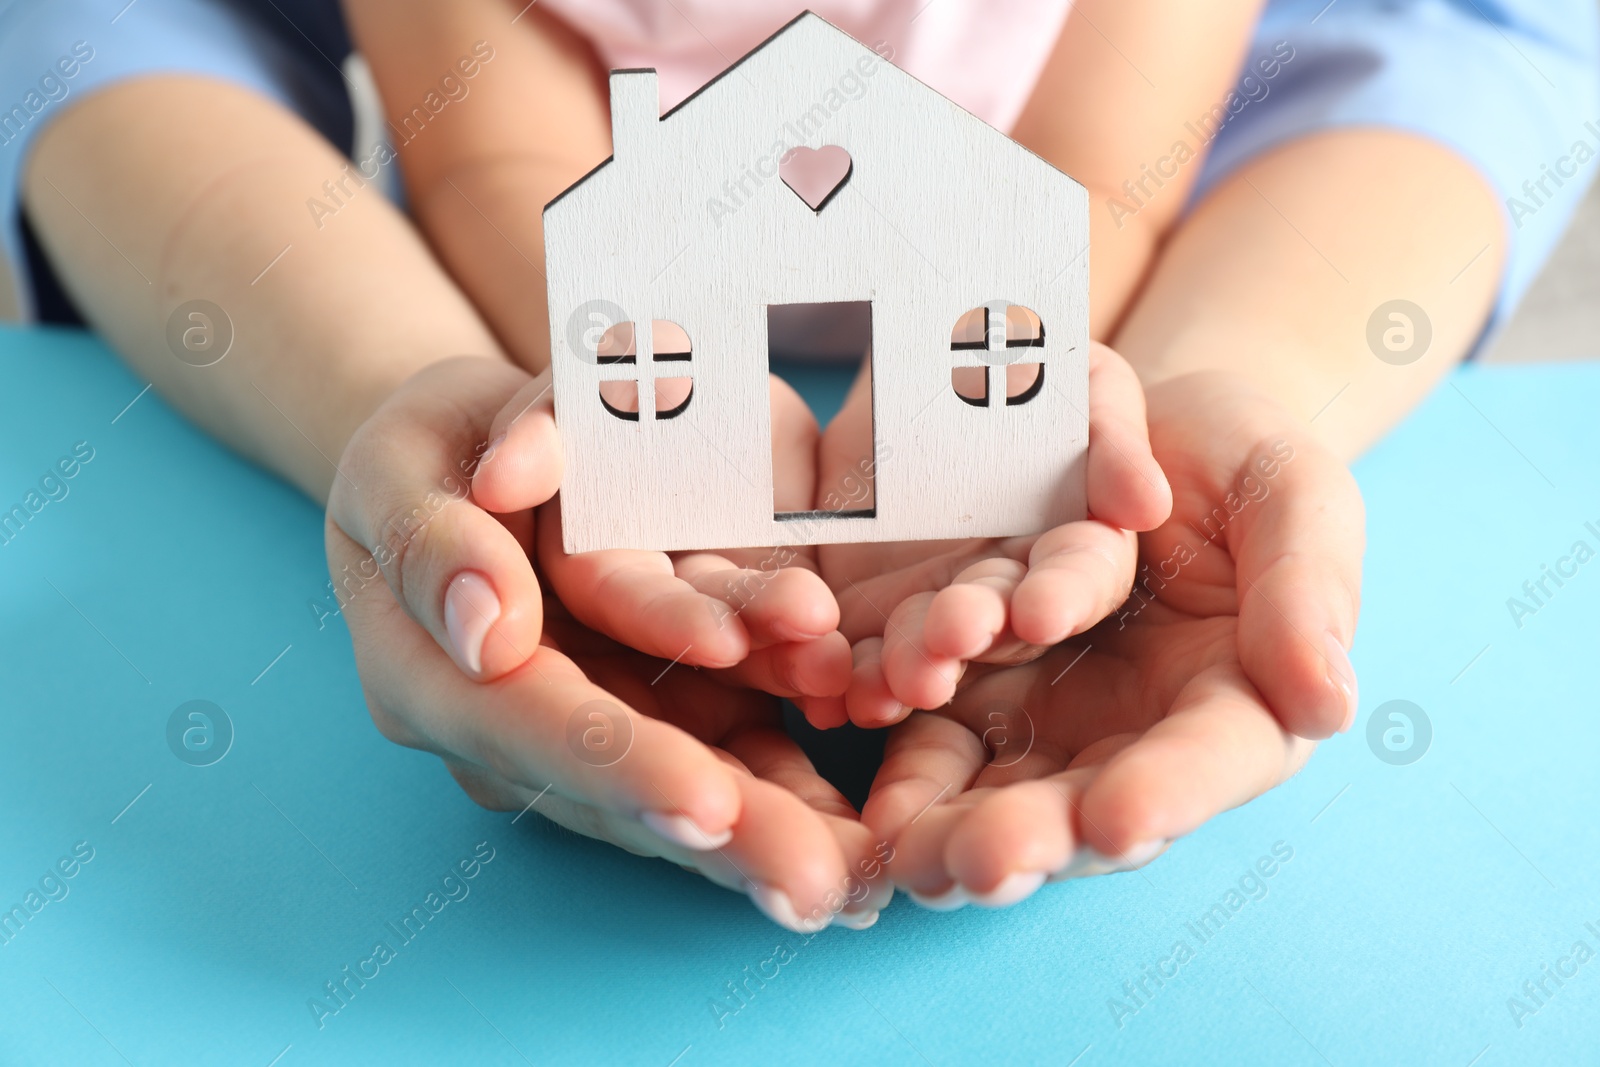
(1127, 487)
(522, 467)
(406, 498)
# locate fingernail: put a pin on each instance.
(1139, 855)
(784, 630)
(776, 905)
(720, 612)
(1088, 862)
(1085, 863)
(857, 920)
(951, 899)
(682, 830)
(494, 446)
(890, 718)
(1342, 676)
(470, 608)
(1016, 886)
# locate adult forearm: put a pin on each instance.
(1278, 273)
(141, 217)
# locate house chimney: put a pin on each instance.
(635, 112)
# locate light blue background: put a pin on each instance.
(1417, 901)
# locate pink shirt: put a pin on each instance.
(984, 56)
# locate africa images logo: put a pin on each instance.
(1399, 733)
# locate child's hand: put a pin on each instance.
(1096, 756)
(763, 616)
(448, 624)
(917, 614)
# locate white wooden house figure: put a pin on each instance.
(941, 223)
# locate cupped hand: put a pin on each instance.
(1193, 698)
(917, 613)
(762, 617)
(460, 654)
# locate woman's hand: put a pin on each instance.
(458, 656)
(1182, 705)
(917, 613)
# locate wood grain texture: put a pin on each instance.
(690, 223)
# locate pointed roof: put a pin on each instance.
(783, 37)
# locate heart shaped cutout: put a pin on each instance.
(815, 175)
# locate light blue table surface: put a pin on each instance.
(219, 900)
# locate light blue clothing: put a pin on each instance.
(1511, 85)
(223, 39)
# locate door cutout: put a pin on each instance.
(845, 483)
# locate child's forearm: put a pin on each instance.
(530, 121)
(1281, 272)
(161, 191)
(1127, 81)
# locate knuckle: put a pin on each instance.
(404, 538)
(481, 789)
(408, 541)
(367, 450)
(588, 821)
(392, 727)
(502, 756)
